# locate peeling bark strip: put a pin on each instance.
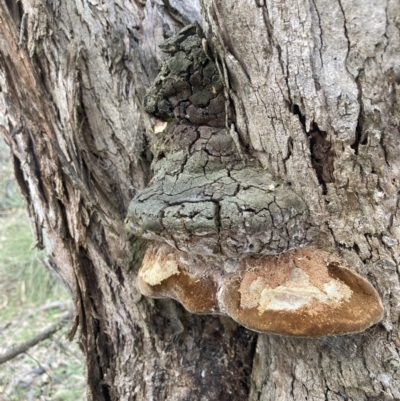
(217, 205)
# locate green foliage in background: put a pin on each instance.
(23, 278)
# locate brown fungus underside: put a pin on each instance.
(225, 236)
(304, 292)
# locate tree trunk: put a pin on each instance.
(314, 86)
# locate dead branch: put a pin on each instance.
(51, 305)
(21, 348)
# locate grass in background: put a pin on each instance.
(22, 279)
(30, 301)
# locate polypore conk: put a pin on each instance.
(204, 198)
(197, 293)
(304, 292)
(224, 235)
(300, 293)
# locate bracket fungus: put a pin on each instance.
(304, 292)
(224, 235)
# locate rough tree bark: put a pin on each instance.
(315, 89)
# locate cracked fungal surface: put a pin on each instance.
(207, 196)
(226, 236)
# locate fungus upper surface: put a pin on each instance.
(224, 235)
(207, 196)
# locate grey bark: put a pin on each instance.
(315, 91)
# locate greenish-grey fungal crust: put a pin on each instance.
(220, 212)
(206, 197)
(187, 80)
(226, 236)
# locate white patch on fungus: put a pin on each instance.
(156, 273)
(294, 293)
(337, 291)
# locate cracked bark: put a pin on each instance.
(310, 82)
